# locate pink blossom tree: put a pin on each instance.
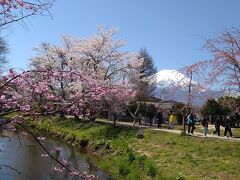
(222, 72)
(99, 59)
(224, 67)
(66, 80)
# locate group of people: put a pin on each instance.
(190, 120)
(226, 122)
(171, 120)
(159, 115)
(151, 116)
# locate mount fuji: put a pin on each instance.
(172, 77)
(173, 85)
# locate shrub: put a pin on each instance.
(108, 145)
(151, 170)
(131, 156)
(133, 176)
(141, 161)
(96, 146)
(123, 168)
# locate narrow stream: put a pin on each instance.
(23, 161)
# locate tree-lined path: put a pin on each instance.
(176, 131)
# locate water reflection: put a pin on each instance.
(23, 162)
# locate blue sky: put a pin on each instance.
(171, 30)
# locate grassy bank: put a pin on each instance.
(158, 156)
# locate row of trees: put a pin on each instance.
(98, 61)
(224, 106)
(87, 76)
(81, 78)
(208, 79)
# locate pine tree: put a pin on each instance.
(145, 85)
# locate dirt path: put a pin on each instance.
(154, 128)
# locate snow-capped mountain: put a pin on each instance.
(173, 85)
(172, 77)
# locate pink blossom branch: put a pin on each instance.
(45, 149)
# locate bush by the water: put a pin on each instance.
(133, 176)
(123, 168)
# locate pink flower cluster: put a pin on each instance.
(44, 155)
(11, 3)
(41, 138)
(57, 148)
(58, 169)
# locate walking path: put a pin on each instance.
(154, 128)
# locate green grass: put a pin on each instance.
(192, 157)
(158, 155)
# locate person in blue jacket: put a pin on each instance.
(190, 122)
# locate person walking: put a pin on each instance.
(159, 118)
(217, 126)
(140, 118)
(227, 127)
(151, 113)
(205, 126)
(172, 120)
(151, 116)
(191, 123)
